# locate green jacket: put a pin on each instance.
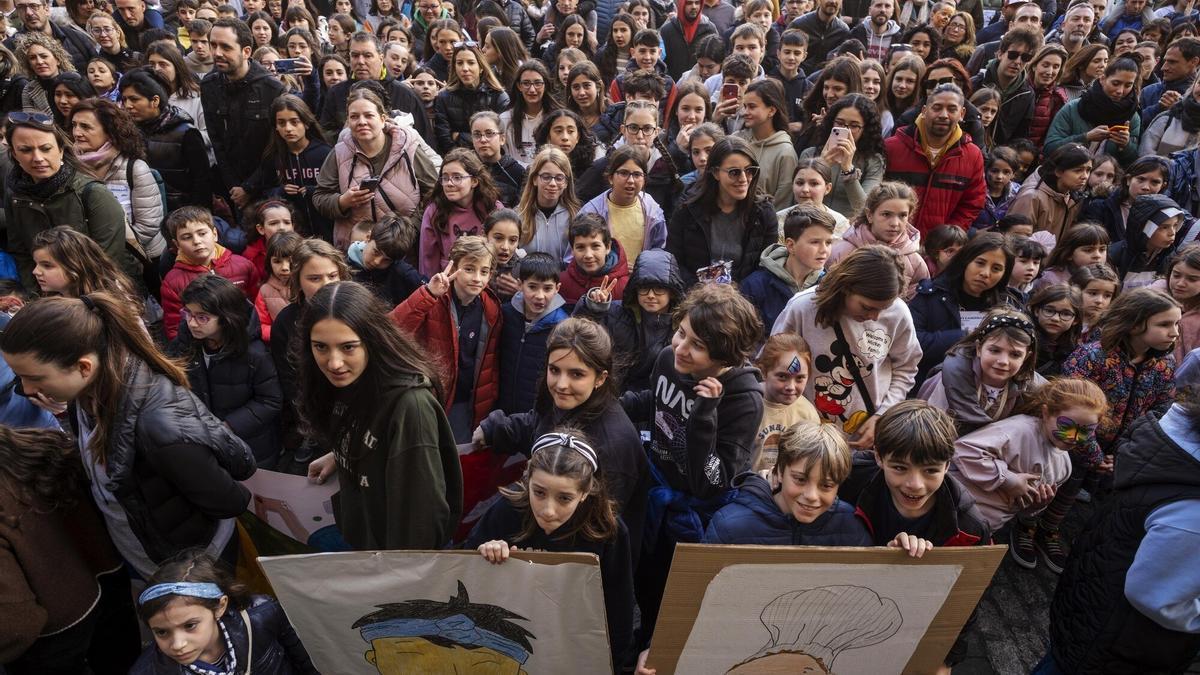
(83, 203)
(400, 480)
(1069, 127)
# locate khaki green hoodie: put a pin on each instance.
(777, 163)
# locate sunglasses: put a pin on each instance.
(930, 85)
(465, 43)
(36, 119)
(736, 173)
(1013, 55)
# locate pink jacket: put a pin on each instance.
(908, 245)
(272, 297)
(434, 250)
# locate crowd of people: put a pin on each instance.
(594, 276)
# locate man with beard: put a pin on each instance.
(366, 63)
(878, 33)
(237, 97)
(1179, 66)
(1077, 25)
(681, 33)
(940, 162)
(1006, 74)
(825, 30)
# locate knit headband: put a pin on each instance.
(1005, 321)
(208, 591)
(568, 441)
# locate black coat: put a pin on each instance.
(452, 110)
(509, 176)
(10, 93)
(938, 323)
(172, 465)
(175, 149)
(678, 52)
(241, 390)
(822, 38)
(400, 97)
(1107, 212)
(638, 337)
(238, 114)
(689, 232)
(78, 44)
(1016, 110)
(277, 648)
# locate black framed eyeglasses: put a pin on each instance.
(40, 120)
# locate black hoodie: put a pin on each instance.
(401, 482)
(1130, 255)
(699, 444)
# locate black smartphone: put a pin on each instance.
(370, 183)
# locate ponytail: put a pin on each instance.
(61, 331)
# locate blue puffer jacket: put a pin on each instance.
(523, 352)
(1183, 188)
(754, 518)
(277, 649)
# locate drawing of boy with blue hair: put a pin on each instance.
(436, 638)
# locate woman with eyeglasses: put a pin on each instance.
(44, 59)
(857, 157)
(958, 38)
(531, 102)
(488, 140)
(366, 177)
(108, 35)
(1105, 117)
(634, 218)
(548, 204)
(47, 188)
(174, 146)
(720, 231)
(472, 87)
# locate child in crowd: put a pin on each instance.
(1028, 256)
(1002, 165)
(1183, 284)
(68, 262)
(598, 260)
(984, 376)
(700, 142)
(195, 235)
(1014, 467)
(228, 366)
(1097, 285)
(1082, 245)
(578, 388)
(1145, 176)
(1057, 311)
(562, 504)
(785, 362)
(793, 266)
(865, 351)
(503, 231)
(379, 262)
(885, 220)
(203, 621)
(262, 221)
(1149, 238)
(639, 329)
(275, 293)
(462, 199)
(811, 183)
(528, 319)
(765, 115)
(1015, 224)
(804, 509)
(941, 244)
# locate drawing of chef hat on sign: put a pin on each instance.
(809, 628)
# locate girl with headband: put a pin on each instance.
(986, 373)
(561, 504)
(204, 622)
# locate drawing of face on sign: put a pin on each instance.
(444, 638)
(809, 628)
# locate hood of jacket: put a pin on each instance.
(518, 303)
(1140, 212)
(221, 257)
(907, 243)
(1147, 456)
(167, 120)
(774, 260)
(755, 493)
(184, 343)
(775, 140)
(656, 268)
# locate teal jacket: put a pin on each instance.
(1069, 127)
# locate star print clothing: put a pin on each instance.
(885, 352)
(698, 444)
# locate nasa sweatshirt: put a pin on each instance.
(699, 444)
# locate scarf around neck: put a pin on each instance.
(935, 155)
(1096, 108)
(98, 160)
(20, 182)
(1188, 113)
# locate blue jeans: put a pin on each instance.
(1047, 666)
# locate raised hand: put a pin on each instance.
(709, 387)
(440, 283)
(603, 292)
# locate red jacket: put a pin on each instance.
(953, 193)
(256, 253)
(430, 322)
(576, 283)
(1047, 101)
(227, 264)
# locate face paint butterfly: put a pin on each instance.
(1071, 432)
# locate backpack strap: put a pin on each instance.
(129, 181)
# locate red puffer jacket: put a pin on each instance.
(430, 322)
(951, 193)
(1047, 101)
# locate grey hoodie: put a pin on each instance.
(773, 259)
(877, 45)
(518, 303)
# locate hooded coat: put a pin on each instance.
(452, 110)
(175, 149)
(771, 286)
(753, 517)
(638, 337)
(576, 283)
(908, 245)
(225, 263)
(877, 45)
(952, 192)
(777, 164)
(1051, 210)
(1129, 255)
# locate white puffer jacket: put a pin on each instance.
(147, 207)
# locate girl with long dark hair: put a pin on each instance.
(857, 156)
